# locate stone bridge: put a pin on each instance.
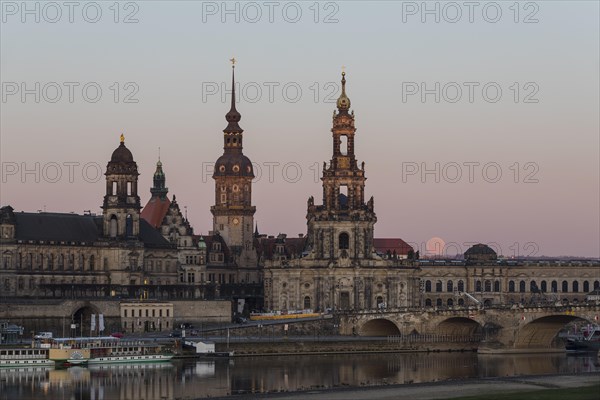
(502, 329)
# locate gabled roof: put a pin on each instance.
(155, 210)
(382, 245)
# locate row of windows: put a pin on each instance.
(42, 281)
(553, 286)
(495, 286)
(51, 262)
(449, 286)
(167, 312)
(194, 260)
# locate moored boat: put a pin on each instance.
(105, 350)
(587, 338)
(24, 357)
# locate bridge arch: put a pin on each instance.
(379, 327)
(542, 332)
(459, 326)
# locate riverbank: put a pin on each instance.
(299, 346)
(518, 387)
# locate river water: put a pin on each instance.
(191, 379)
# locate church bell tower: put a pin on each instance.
(233, 212)
(343, 226)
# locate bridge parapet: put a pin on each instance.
(503, 328)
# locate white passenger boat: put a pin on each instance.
(24, 357)
(105, 350)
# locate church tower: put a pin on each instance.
(121, 207)
(233, 212)
(342, 228)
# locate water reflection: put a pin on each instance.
(221, 377)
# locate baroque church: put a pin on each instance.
(339, 267)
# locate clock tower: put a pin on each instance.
(233, 212)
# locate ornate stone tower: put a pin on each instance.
(342, 228)
(233, 213)
(121, 208)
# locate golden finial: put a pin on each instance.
(233, 60)
(343, 70)
(122, 138)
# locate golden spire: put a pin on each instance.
(122, 138)
(233, 60)
(343, 102)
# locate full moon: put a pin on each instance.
(435, 246)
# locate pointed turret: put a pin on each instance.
(233, 116)
(159, 189)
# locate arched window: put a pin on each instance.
(438, 286)
(461, 286)
(428, 302)
(428, 286)
(496, 286)
(543, 286)
(575, 286)
(450, 286)
(113, 227)
(344, 241)
(565, 286)
(533, 288)
(461, 302)
(511, 286)
(554, 286)
(92, 263)
(450, 302)
(596, 285)
(379, 301)
(61, 262)
(522, 286)
(488, 285)
(478, 286)
(438, 302)
(307, 303)
(586, 286)
(129, 225)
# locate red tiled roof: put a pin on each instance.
(382, 245)
(155, 210)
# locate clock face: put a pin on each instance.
(236, 221)
(344, 162)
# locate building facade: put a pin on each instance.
(147, 257)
